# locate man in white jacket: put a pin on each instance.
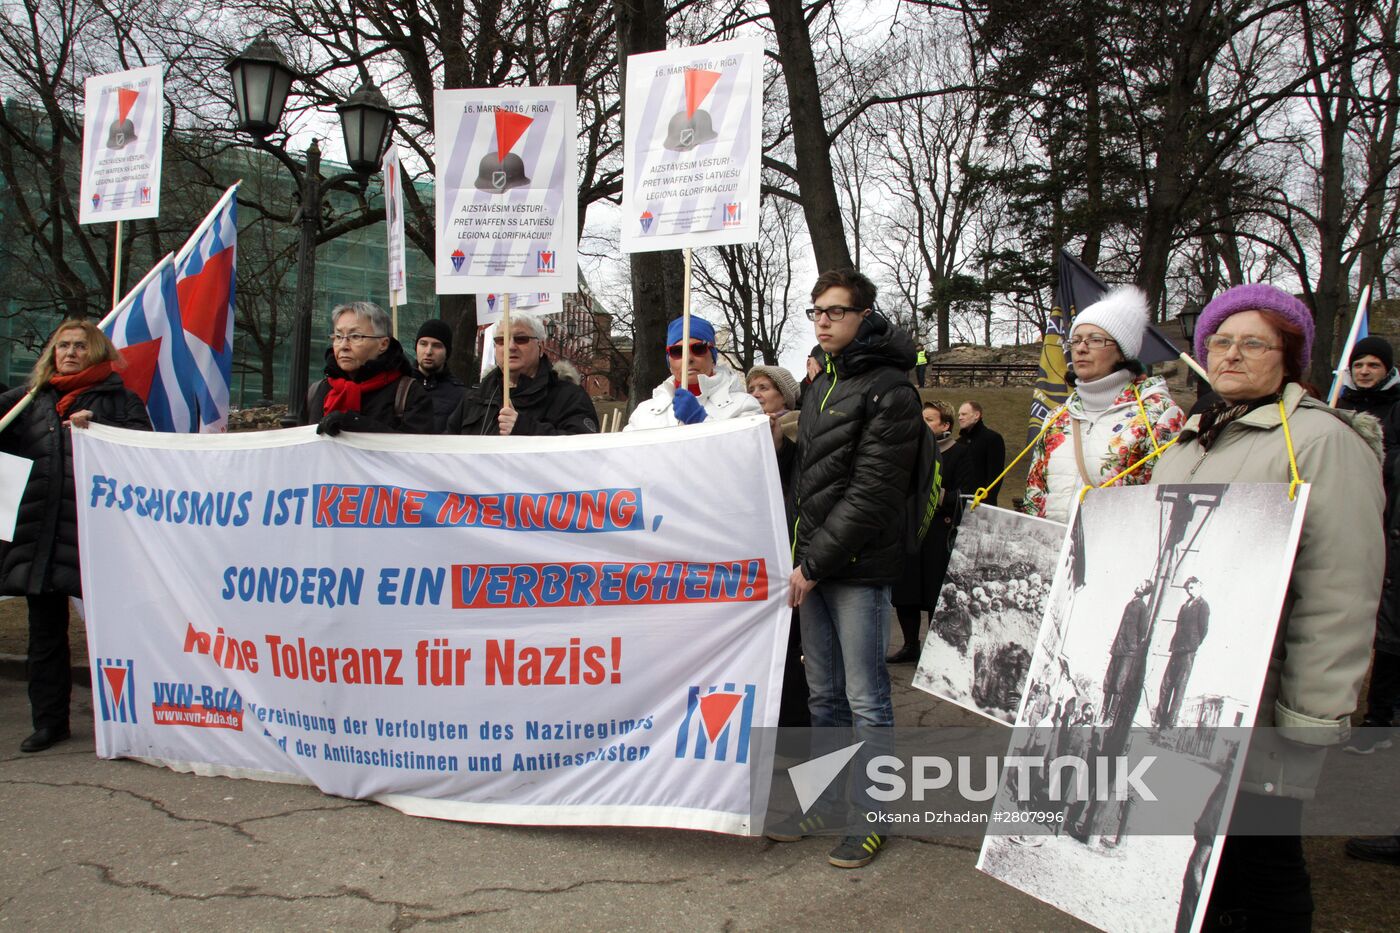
(715, 390)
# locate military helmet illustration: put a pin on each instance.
(497, 175)
(121, 134)
(685, 133)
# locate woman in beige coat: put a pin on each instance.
(1257, 341)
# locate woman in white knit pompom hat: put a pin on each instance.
(1116, 415)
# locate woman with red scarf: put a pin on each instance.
(75, 384)
(369, 384)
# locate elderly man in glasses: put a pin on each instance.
(369, 384)
(541, 403)
(715, 390)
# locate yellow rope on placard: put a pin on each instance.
(1119, 475)
(1292, 457)
(1151, 433)
(982, 493)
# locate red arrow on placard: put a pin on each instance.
(510, 126)
(116, 678)
(715, 710)
(126, 99)
(698, 85)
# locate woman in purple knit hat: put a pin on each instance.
(1256, 342)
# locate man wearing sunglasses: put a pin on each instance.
(715, 390)
(541, 403)
(857, 444)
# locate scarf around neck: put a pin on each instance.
(1218, 417)
(70, 387)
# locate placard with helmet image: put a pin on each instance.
(123, 123)
(507, 190)
(693, 144)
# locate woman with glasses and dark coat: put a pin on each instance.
(714, 390)
(541, 402)
(369, 384)
(1115, 417)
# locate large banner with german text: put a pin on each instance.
(579, 630)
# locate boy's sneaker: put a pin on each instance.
(796, 827)
(856, 851)
(1367, 738)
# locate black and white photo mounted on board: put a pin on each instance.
(1156, 640)
(981, 635)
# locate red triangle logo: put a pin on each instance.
(510, 126)
(141, 361)
(116, 679)
(126, 99)
(204, 300)
(698, 85)
(715, 710)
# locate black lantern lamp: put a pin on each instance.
(367, 120)
(1187, 319)
(262, 80)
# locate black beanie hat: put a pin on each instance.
(436, 329)
(1378, 347)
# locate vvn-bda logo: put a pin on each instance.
(545, 261)
(718, 722)
(116, 689)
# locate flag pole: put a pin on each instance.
(1362, 308)
(503, 331)
(394, 309)
(685, 327)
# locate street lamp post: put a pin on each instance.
(262, 80)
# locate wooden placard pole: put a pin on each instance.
(685, 327)
(503, 331)
(117, 267)
(394, 311)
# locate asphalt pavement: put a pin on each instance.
(89, 844)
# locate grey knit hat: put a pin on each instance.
(781, 378)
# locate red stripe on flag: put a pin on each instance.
(141, 361)
(204, 300)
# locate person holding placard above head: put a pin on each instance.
(76, 384)
(1115, 420)
(369, 384)
(715, 390)
(541, 403)
(1267, 428)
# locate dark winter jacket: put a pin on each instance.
(377, 412)
(445, 390)
(1377, 401)
(857, 439)
(544, 405)
(43, 557)
(986, 457)
(923, 579)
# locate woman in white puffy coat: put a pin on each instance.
(1115, 417)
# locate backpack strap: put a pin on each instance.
(401, 395)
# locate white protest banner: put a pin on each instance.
(692, 147)
(14, 476)
(393, 217)
(572, 630)
(123, 121)
(488, 306)
(507, 189)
